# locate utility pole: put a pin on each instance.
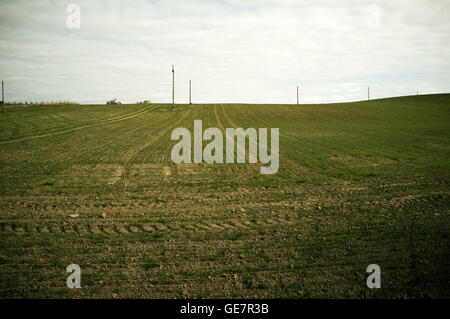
(173, 87)
(297, 94)
(3, 98)
(368, 93)
(190, 102)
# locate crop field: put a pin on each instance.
(359, 183)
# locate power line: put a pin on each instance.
(173, 87)
(3, 98)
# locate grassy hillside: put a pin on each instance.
(359, 183)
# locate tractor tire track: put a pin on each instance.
(120, 228)
(112, 120)
(219, 123)
(134, 152)
(131, 154)
(228, 137)
(247, 172)
(285, 157)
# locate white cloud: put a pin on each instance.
(233, 51)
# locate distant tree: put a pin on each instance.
(113, 102)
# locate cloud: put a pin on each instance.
(233, 51)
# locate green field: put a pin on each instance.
(359, 183)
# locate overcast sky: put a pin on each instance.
(252, 51)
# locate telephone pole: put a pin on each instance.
(190, 102)
(297, 94)
(368, 93)
(173, 87)
(3, 98)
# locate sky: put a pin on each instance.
(233, 51)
